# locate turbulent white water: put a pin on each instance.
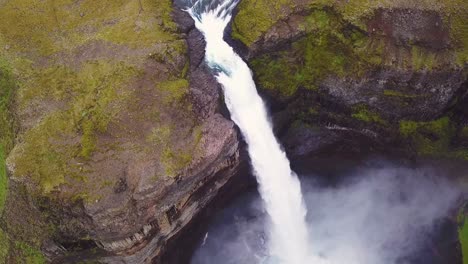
(278, 185)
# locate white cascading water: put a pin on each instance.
(278, 185)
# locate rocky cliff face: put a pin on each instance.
(119, 136)
(392, 72)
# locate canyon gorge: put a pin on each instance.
(117, 146)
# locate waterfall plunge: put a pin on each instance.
(278, 185)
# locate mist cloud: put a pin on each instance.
(379, 215)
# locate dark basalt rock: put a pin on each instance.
(399, 94)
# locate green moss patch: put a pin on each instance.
(21, 252)
(46, 27)
(255, 17)
(174, 157)
(40, 159)
(364, 114)
(331, 48)
(435, 138)
(422, 59)
(174, 90)
(94, 95)
(28, 254)
(430, 138)
(24, 227)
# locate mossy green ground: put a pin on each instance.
(21, 231)
(84, 97)
(93, 94)
(361, 112)
(434, 138)
(25, 254)
(46, 27)
(255, 17)
(30, 255)
(330, 48)
(80, 69)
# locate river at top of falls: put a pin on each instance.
(279, 186)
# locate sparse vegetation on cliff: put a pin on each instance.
(256, 17)
(364, 114)
(430, 138)
(44, 28)
(330, 48)
(94, 96)
(7, 85)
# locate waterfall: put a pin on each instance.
(279, 187)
